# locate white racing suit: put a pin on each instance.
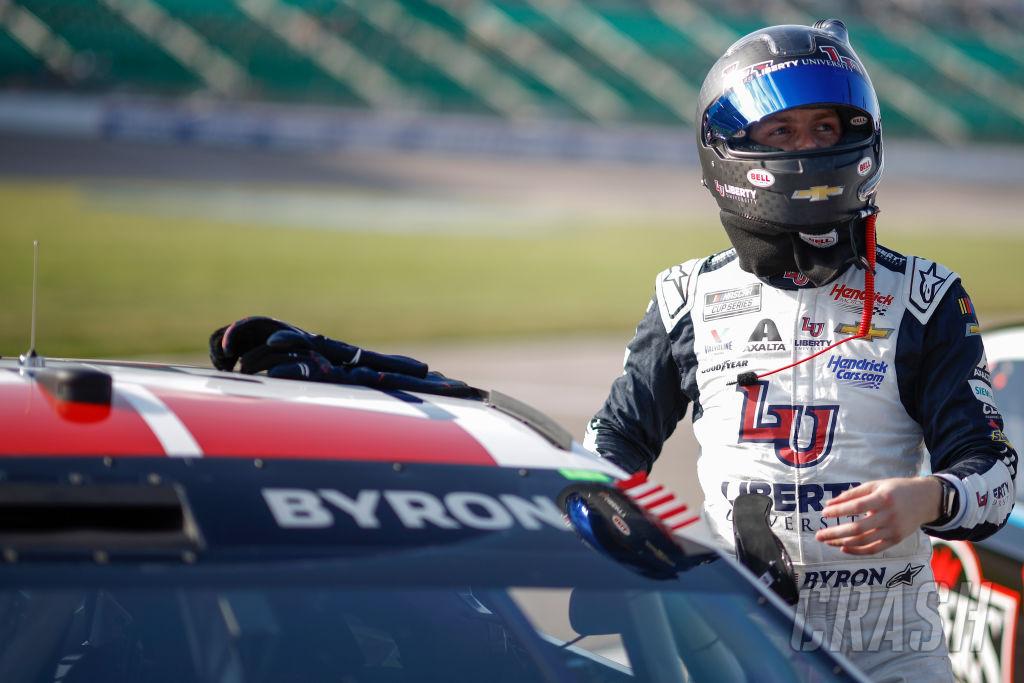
(864, 411)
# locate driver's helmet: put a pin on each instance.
(770, 71)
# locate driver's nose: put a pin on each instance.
(806, 140)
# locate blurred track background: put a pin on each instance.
(489, 184)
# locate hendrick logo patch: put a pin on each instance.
(851, 299)
(858, 372)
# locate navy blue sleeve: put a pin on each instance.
(646, 401)
(945, 386)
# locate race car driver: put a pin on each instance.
(817, 366)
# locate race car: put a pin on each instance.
(981, 583)
(177, 523)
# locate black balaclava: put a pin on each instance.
(766, 249)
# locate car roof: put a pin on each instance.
(186, 411)
(1005, 343)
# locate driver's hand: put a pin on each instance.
(889, 510)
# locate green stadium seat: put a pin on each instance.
(114, 56)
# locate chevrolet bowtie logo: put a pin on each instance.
(873, 333)
(818, 193)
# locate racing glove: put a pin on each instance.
(259, 344)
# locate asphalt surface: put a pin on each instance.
(925, 187)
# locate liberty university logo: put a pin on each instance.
(802, 435)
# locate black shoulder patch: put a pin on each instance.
(716, 261)
(892, 260)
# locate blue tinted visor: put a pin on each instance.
(751, 99)
(579, 517)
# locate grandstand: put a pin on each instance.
(946, 71)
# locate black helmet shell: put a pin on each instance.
(772, 70)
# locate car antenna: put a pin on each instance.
(30, 359)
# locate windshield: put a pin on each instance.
(354, 572)
(453, 616)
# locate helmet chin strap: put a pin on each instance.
(870, 214)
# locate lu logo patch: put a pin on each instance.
(813, 329)
(801, 435)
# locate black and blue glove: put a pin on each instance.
(259, 344)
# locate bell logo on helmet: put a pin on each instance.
(865, 165)
(858, 120)
(819, 193)
(758, 177)
(823, 241)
